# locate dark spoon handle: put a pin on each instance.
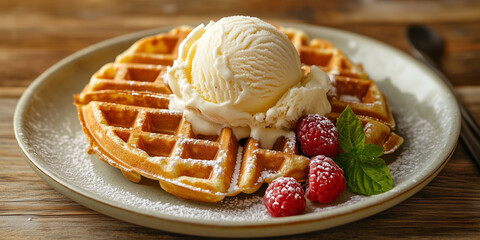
(471, 142)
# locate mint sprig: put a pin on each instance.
(366, 173)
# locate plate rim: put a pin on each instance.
(53, 179)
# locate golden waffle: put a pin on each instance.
(143, 138)
(125, 116)
(160, 49)
(350, 86)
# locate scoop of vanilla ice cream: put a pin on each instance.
(244, 62)
(243, 73)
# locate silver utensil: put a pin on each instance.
(428, 47)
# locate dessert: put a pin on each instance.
(128, 117)
(350, 87)
(243, 73)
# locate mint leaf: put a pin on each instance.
(344, 161)
(350, 131)
(365, 172)
(372, 150)
(374, 177)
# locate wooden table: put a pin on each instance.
(36, 34)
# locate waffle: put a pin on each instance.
(161, 49)
(350, 87)
(125, 116)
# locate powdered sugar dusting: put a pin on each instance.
(234, 183)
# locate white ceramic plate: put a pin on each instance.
(49, 133)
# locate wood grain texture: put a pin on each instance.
(36, 34)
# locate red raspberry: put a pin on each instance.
(317, 135)
(325, 180)
(284, 197)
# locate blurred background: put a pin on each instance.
(48, 30)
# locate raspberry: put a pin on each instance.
(325, 180)
(284, 197)
(317, 135)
